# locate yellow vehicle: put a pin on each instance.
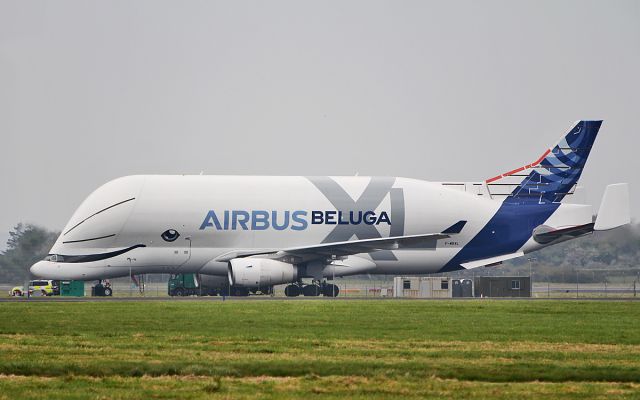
(17, 291)
(38, 287)
(45, 287)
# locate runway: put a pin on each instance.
(57, 299)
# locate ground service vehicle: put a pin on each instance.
(208, 285)
(102, 288)
(40, 287)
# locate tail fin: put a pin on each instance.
(553, 175)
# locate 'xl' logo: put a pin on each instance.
(370, 199)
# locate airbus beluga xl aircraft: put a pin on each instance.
(260, 230)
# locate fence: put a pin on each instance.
(612, 284)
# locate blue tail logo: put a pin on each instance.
(556, 172)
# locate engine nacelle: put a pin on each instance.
(261, 272)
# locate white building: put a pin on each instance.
(431, 287)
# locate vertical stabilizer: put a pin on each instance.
(554, 174)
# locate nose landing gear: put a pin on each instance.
(316, 288)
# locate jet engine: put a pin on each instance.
(261, 272)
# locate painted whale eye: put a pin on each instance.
(170, 235)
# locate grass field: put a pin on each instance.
(320, 349)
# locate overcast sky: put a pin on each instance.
(446, 90)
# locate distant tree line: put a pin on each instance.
(26, 244)
(593, 258)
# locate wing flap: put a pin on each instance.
(369, 245)
(347, 248)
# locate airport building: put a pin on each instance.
(446, 287)
(502, 286)
(431, 287)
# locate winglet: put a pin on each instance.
(455, 228)
(614, 209)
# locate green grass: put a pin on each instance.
(324, 349)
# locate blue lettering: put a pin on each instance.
(239, 217)
(210, 220)
(274, 221)
(353, 221)
(369, 218)
(259, 220)
(317, 217)
(384, 217)
(340, 220)
(298, 217)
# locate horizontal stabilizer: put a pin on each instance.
(491, 260)
(545, 235)
(614, 209)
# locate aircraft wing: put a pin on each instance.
(346, 248)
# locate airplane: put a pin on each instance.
(258, 231)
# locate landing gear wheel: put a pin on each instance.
(107, 291)
(330, 290)
(292, 291)
(311, 290)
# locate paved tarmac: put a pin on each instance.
(58, 299)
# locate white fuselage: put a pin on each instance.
(213, 215)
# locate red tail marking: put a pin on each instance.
(513, 172)
(541, 158)
(538, 161)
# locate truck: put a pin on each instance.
(209, 285)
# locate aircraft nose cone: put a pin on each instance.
(38, 269)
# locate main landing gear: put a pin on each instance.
(316, 288)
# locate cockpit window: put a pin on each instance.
(54, 258)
